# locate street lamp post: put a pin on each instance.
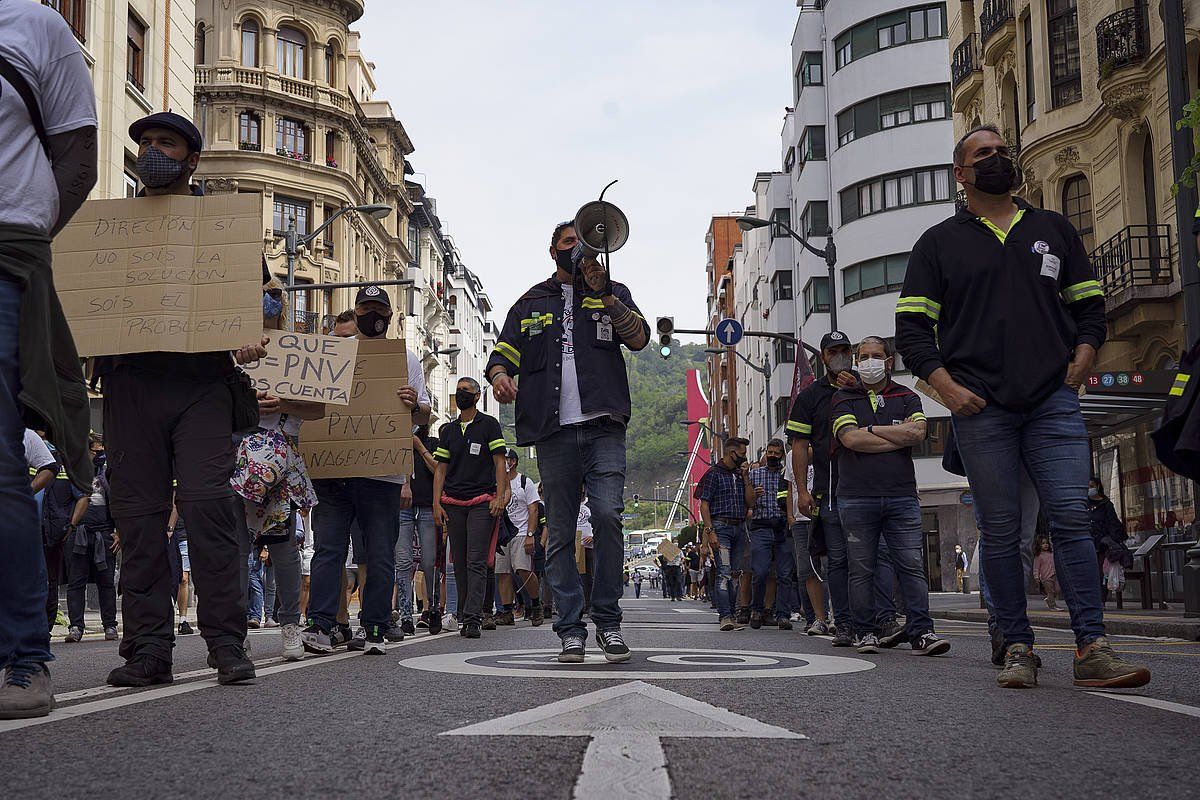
(293, 240)
(829, 254)
(764, 370)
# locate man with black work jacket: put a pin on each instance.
(1002, 314)
(170, 416)
(563, 338)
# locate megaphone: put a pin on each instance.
(601, 226)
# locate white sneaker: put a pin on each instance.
(449, 623)
(293, 648)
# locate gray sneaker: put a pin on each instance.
(868, 644)
(818, 628)
(1098, 666)
(359, 642)
(26, 692)
(844, 637)
(892, 635)
(1020, 668)
(74, 635)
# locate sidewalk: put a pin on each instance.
(1129, 621)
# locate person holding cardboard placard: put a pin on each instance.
(374, 504)
(170, 416)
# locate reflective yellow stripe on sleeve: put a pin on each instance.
(843, 421)
(496, 444)
(798, 427)
(917, 417)
(441, 453)
(1082, 291)
(508, 351)
(592, 302)
(919, 305)
(1181, 382)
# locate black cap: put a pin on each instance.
(834, 339)
(172, 121)
(372, 293)
(510, 453)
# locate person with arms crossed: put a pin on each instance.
(563, 339)
(1019, 317)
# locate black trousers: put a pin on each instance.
(158, 428)
(82, 569)
(55, 569)
(470, 538)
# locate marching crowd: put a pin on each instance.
(199, 485)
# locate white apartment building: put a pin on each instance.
(469, 308)
(865, 157)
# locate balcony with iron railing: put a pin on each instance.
(997, 28)
(1122, 39)
(966, 71)
(1135, 264)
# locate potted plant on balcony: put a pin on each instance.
(330, 161)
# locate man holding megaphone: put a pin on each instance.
(563, 338)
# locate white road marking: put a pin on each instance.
(625, 759)
(147, 695)
(542, 664)
(1150, 702)
(96, 691)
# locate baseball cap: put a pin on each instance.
(510, 453)
(834, 339)
(171, 121)
(374, 294)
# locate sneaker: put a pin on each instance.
(270, 623)
(341, 635)
(74, 635)
(110, 634)
(742, 616)
(185, 628)
(316, 640)
(407, 627)
(450, 622)
(423, 621)
(393, 632)
(359, 642)
(395, 615)
(783, 623)
(435, 624)
(252, 623)
(506, 618)
(293, 649)
(868, 644)
(613, 644)
(893, 634)
(1020, 668)
(1098, 666)
(930, 644)
(1050, 604)
(536, 616)
(231, 664)
(843, 637)
(26, 692)
(768, 619)
(373, 642)
(727, 624)
(818, 628)
(573, 648)
(489, 623)
(141, 671)
(470, 630)
(756, 619)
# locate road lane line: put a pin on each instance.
(173, 690)
(96, 691)
(1151, 702)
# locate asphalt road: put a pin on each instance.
(892, 725)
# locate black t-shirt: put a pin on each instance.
(468, 450)
(422, 482)
(810, 420)
(694, 561)
(888, 474)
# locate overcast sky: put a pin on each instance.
(522, 110)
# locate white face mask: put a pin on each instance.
(872, 370)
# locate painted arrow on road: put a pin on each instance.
(625, 758)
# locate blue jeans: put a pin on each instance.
(837, 575)
(254, 608)
(24, 635)
(1051, 442)
(590, 456)
(375, 506)
(897, 520)
(416, 520)
(729, 550)
(771, 548)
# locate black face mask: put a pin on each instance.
(739, 460)
(995, 174)
(464, 398)
(563, 259)
(372, 323)
(774, 463)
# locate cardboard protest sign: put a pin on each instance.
(371, 437)
(173, 273)
(668, 549)
(306, 366)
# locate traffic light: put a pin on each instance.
(666, 328)
(636, 498)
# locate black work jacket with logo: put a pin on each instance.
(530, 346)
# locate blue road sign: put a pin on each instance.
(729, 332)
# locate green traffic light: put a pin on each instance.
(665, 351)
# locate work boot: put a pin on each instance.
(506, 618)
(536, 616)
(1098, 666)
(26, 692)
(727, 624)
(756, 619)
(489, 623)
(1020, 668)
(141, 671)
(742, 616)
(231, 664)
